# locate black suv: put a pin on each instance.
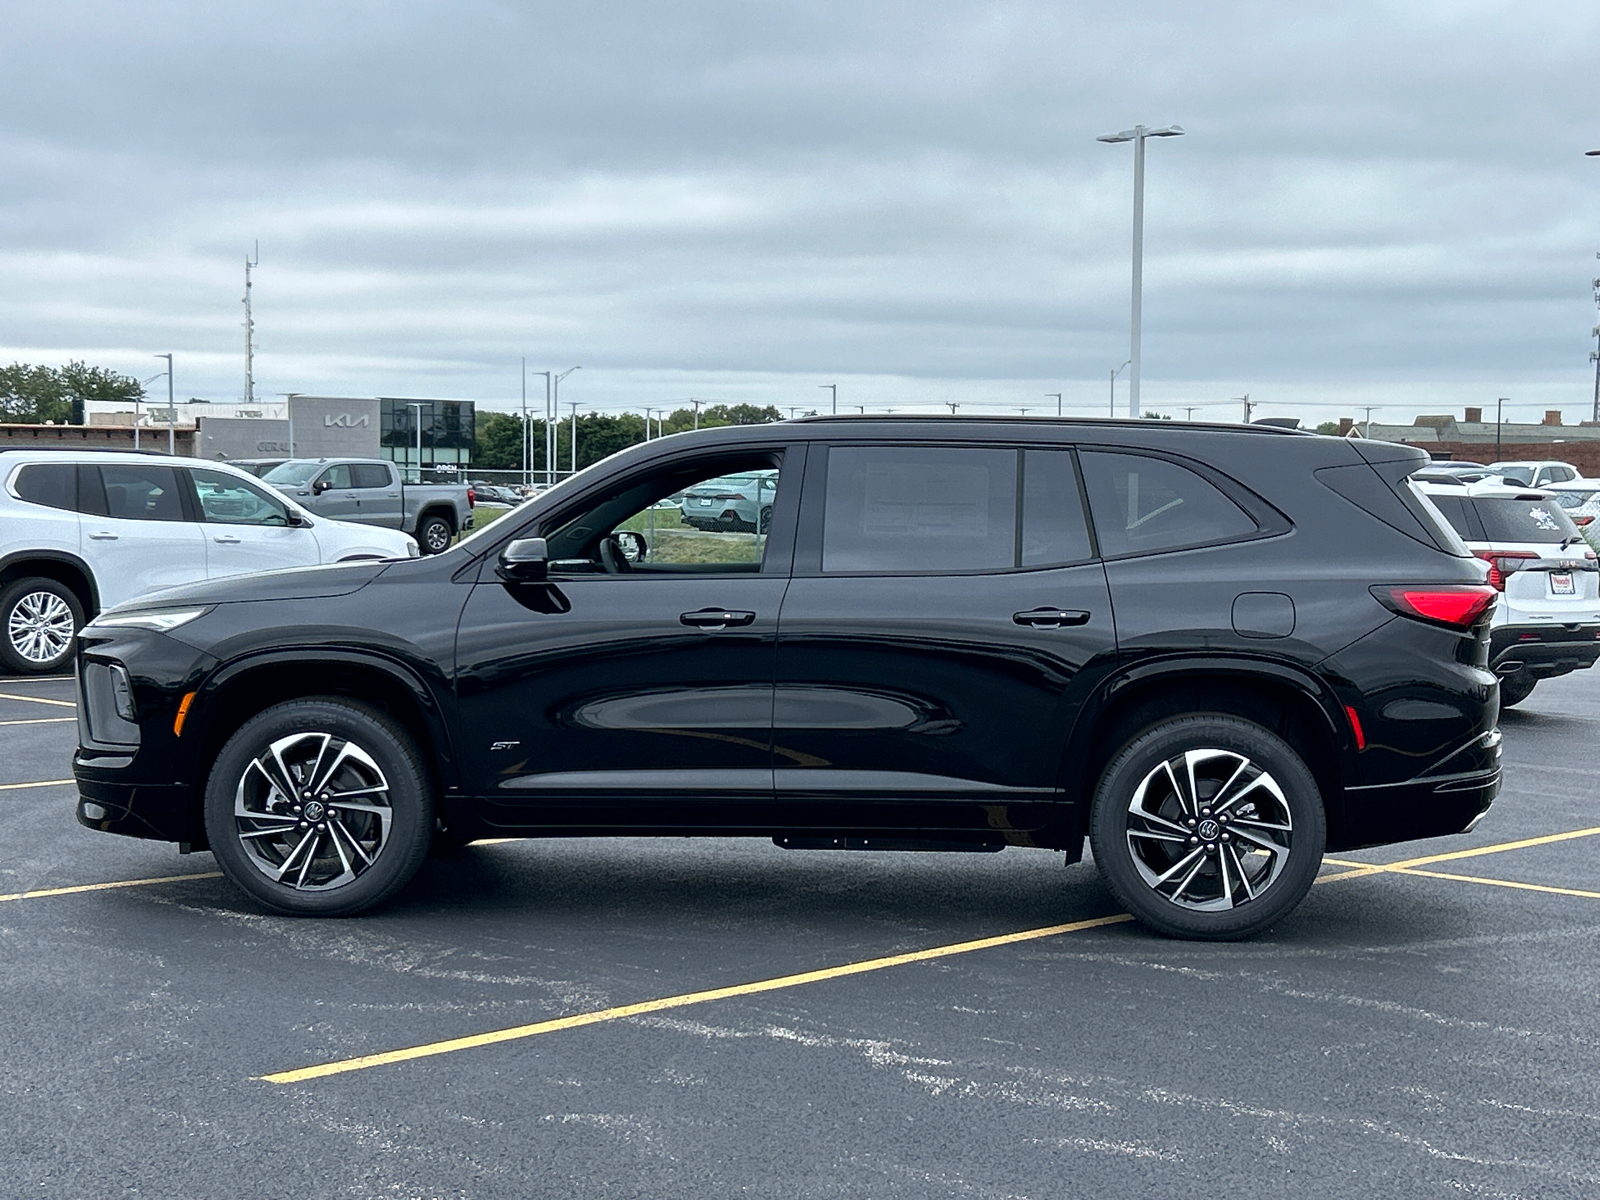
(1214, 651)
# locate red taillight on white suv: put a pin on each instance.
(1503, 563)
(1456, 605)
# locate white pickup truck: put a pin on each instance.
(370, 491)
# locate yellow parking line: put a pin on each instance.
(105, 887)
(37, 700)
(1507, 883)
(622, 1012)
(41, 721)
(12, 787)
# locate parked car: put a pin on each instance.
(1581, 500)
(734, 502)
(1548, 620)
(918, 654)
(1536, 473)
(489, 493)
(372, 492)
(80, 532)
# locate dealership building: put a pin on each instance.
(424, 437)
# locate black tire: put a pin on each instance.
(1514, 689)
(1184, 880)
(766, 518)
(434, 534)
(39, 623)
(248, 847)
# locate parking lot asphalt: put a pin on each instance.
(687, 1018)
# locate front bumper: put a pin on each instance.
(1543, 650)
(163, 812)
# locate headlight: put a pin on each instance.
(412, 550)
(162, 620)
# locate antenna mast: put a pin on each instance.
(250, 263)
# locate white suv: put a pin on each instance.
(82, 531)
(1548, 621)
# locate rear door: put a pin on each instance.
(934, 644)
(378, 498)
(138, 534)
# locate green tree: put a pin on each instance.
(1155, 416)
(498, 442)
(33, 395)
(1329, 427)
(739, 414)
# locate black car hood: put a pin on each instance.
(292, 583)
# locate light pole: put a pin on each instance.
(526, 478)
(834, 388)
(697, 404)
(1114, 375)
(574, 404)
(418, 418)
(1499, 407)
(554, 417)
(1137, 135)
(172, 413)
(1056, 396)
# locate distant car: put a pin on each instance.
(1581, 500)
(489, 493)
(80, 532)
(257, 466)
(1548, 619)
(370, 490)
(732, 502)
(1536, 472)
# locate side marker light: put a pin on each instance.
(1355, 727)
(183, 711)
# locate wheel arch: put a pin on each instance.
(66, 569)
(1292, 703)
(239, 690)
(436, 509)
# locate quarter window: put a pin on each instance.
(53, 485)
(1142, 505)
(1054, 530)
(919, 509)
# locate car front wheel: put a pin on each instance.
(38, 620)
(319, 807)
(1208, 827)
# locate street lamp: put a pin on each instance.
(1137, 135)
(553, 418)
(574, 404)
(172, 418)
(1114, 375)
(1056, 396)
(418, 409)
(1499, 408)
(834, 388)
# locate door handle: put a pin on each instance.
(716, 618)
(104, 536)
(1051, 618)
(226, 540)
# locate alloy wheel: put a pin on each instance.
(312, 812)
(40, 627)
(1209, 830)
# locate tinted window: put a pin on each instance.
(142, 493)
(1572, 500)
(54, 485)
(898, 508)
(1524, 520)
(1142, 505)
(369, 475)
(228, 500)
(1456, 510)
(1053, 526)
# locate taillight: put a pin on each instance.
(729, 496)
(1456, 605)
(1582, 520)
(472, 498)
(1503, 563)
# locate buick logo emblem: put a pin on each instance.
(1209, 830)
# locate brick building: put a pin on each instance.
(1472, 439)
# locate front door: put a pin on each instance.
(335, 494)
(247, 528)
(945, 620)
(635, 686)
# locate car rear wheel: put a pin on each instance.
(1514, 689)
(1208, 827)
(319, 807)
(39, 618)
(434, 534)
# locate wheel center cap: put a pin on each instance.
(1208, 830)
(314, 811)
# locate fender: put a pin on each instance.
(443, 748)
(60, 556)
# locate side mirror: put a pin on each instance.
(296, 521)
(526, 560)
(633, 545)
(320, 486)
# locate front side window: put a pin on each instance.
(54, 485)
(1143, 505)
(228, 500)
(898, 509)
(142, 493)
(335, 478)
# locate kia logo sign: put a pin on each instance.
(345, 421)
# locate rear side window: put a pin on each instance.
(1143, 505)
(1457, 511)
(919, 509)
(54, 485)
(1538, 521)
(142, 493)
(369, 475)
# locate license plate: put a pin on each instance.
(707, 503)
(1561, 585)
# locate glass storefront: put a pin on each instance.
(447, 429)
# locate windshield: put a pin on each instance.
(1514, 473)
(295, 472)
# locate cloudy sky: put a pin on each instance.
(1375, 203)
